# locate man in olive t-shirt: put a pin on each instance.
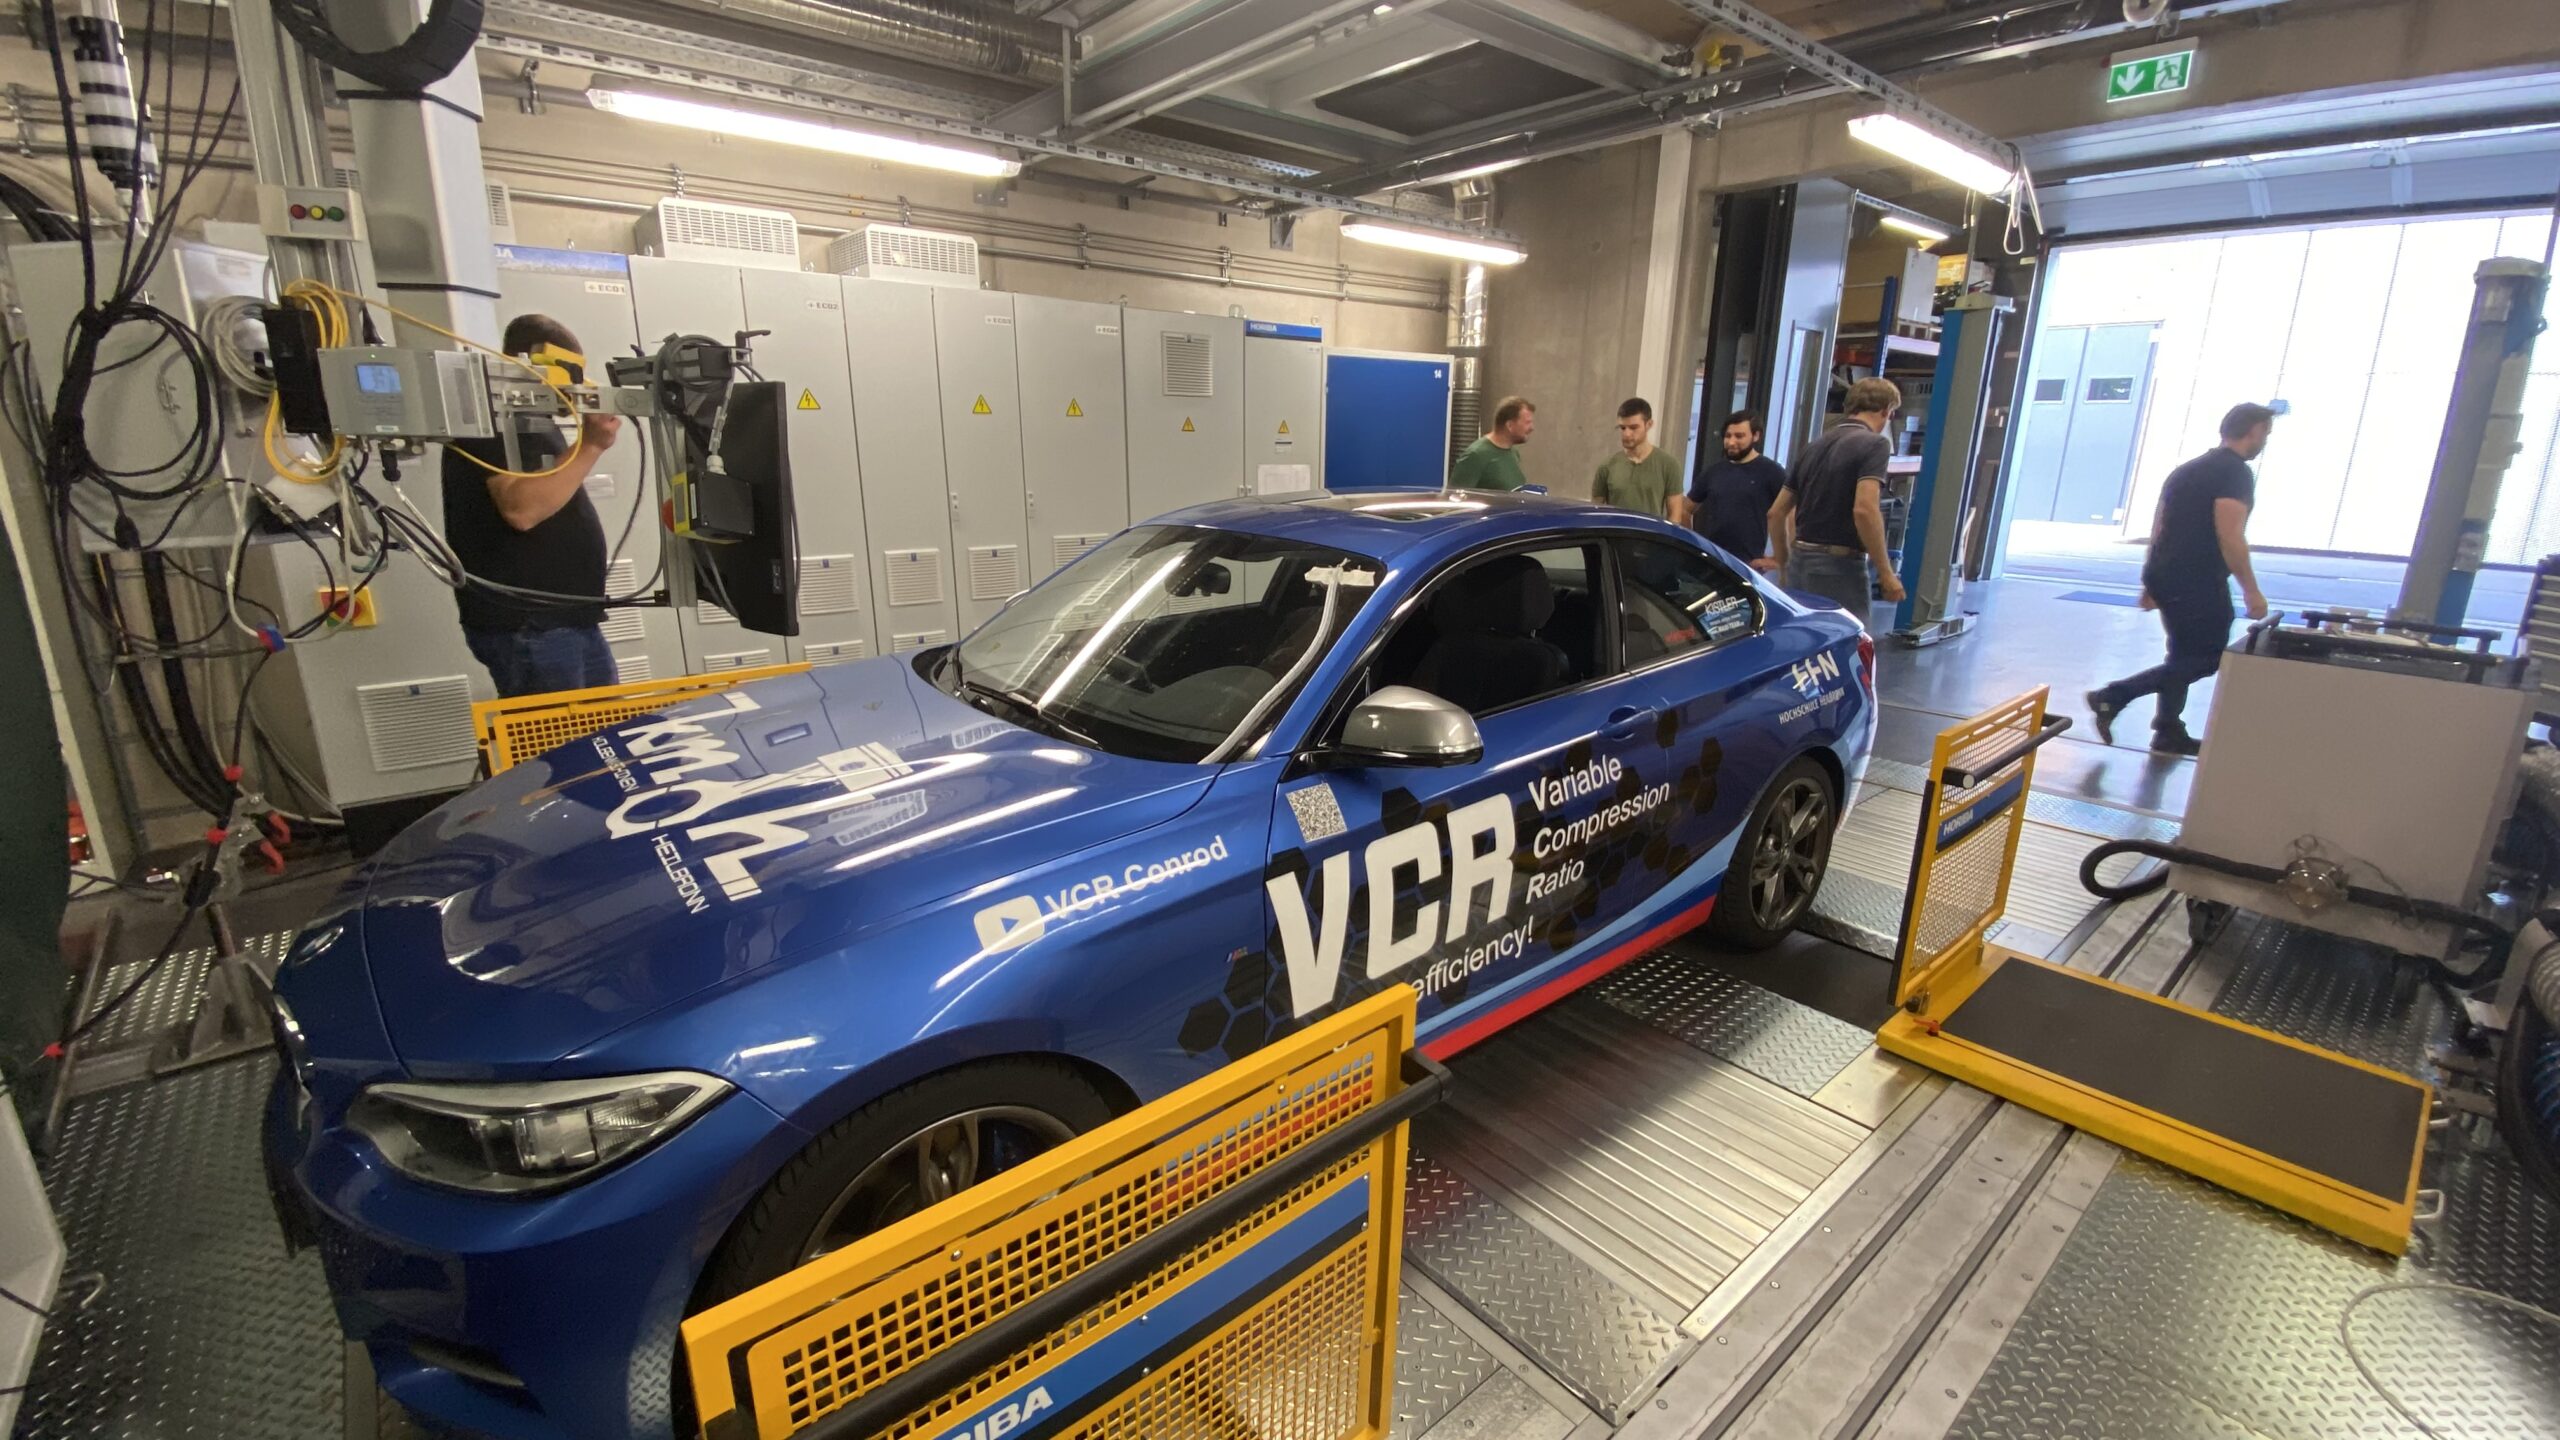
(1493, 462)
(1640, 477)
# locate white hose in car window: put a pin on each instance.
(1297, 671)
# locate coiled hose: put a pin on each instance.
(2529, 1072)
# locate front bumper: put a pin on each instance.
(550, 1318)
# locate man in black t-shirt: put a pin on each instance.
(1826, 530)
(535, 529)
(1729, 501)
(2199, 542)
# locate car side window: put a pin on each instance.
(1675, 600)
(1502, 631)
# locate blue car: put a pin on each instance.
(680, 1006)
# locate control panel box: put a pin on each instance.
(310, 212)
(381, 390)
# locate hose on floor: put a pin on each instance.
(2347, 1337)
(2528, 1089)
(2413, 907)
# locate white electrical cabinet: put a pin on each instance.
(1283, 409)
(897, 422)
(687, 297)
(1075, 427)
(982, 447)
(1186, 409)
(590, 292)
(806, 353)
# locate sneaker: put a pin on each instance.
(2103, 714)
(2175, 742)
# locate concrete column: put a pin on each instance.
(1660, 320)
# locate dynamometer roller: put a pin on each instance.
(678, 1006)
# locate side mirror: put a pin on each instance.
(1400, 725)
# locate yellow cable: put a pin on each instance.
(322, 302)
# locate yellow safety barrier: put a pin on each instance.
(1221, 1264)
(1968, 841)
(530, 725)
(2308, 1131)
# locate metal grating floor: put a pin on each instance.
(205, 1326)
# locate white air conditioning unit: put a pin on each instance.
(903, 252)
(727, 234)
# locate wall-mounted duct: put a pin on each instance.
(1466, 324)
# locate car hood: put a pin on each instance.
(630, 869)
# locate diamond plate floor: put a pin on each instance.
(1795, 1047)
(205, 1326)
(1861, 900)
(1598, 1339)
(2178, 1308)
(1438, 1365)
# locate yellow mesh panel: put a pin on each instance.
(1310, 1359)
(528, 725)
(1964, 887)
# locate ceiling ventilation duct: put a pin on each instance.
(956, 33)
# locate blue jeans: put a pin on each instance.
(2199, 626)
(1840, 579)
(537, 662)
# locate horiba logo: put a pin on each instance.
(1004, 1419)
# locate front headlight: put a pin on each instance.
(514, 1139)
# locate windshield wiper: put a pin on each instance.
(1035, 717)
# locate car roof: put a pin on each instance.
(1403, 527)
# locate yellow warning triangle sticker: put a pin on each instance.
(982, 407)
(1074, 411)
(1284, 427)
(808, 399)
(1186, 424)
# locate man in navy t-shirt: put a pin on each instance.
(2199, 542)
(1729, 501)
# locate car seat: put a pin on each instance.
(1486, 651)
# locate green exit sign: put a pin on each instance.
(2163, 70)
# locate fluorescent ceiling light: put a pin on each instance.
(808, 134)
(1495, 167)
(1484, 252)
(1932, 152)
(1928, 234)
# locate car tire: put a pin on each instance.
(779, 1229)
(1789, 828)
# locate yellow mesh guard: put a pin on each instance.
(1958, 890)
(1309, 1359)
(529, 725)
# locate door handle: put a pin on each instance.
(1627, 721)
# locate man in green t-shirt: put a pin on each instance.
(1493, 462)
(1639, 477)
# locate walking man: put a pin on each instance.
(1493, 462)
(1729, 502)
(1640, 477)
(2199, 541)
(1826, 529)
(534, 529)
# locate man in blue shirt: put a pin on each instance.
(1728, 502)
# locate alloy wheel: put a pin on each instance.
(1787, 855)
(931, 1166)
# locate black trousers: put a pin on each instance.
(2199, 626)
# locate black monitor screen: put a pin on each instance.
(756, 578)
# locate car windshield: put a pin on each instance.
(1163, 643)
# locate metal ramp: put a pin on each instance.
(2311, 1132)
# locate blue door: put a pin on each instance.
(1485, 886)
(1386, 422)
